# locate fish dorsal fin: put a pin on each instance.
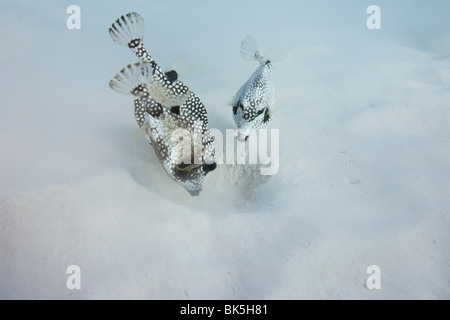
(168, 96)
(169, 91)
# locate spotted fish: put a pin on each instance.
(254, 103)
(172, 117)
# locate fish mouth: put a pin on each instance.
(242, 139)
(195, 193)
(243, 135)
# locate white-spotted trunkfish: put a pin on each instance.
(172, 117)
(254, 103)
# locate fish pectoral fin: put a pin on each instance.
(267, 116)
(236, 106)
(139, 132)
(232, 102)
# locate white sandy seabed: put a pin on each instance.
(364, 174)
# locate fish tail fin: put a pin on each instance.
(131, 77)
(250, 50)
(128, 29)
(275, 54)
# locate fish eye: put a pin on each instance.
(209, 167)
